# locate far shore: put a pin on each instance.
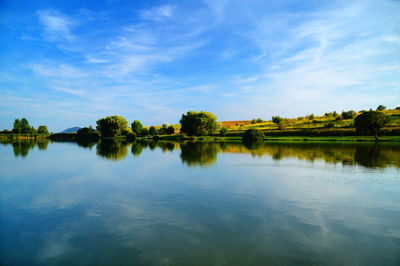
(179, 137)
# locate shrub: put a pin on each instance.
(277, 119)
(253, 135)
(381, 108)
(223, 131)
(349, 114)
(131, 136)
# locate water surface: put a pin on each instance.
(166, 203)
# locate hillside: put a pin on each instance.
(70, 130)
(310, 125)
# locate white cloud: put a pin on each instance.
(158, 13)
(56, 25)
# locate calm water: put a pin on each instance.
(116, 203)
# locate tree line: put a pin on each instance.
(21, 126)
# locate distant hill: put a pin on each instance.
(71, 130)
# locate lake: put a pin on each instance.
(196, 203)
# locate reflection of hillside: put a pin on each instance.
(111, 149)
(368, 155)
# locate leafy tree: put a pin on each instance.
(277, 119)
(349, 114)
(381, 108)
(259, 120)
(152, 131)
(170, 130)
(253, 121)
(144, 132)
(42, 130)
(371, 121)
(163, 129)
(22, 126)
(311, 117)
(111, 126)
(198, 123)
(223, 131)
(253, 135)
(17, 126)
(137, 127)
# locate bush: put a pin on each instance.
(223, 131)
(137, 127)
(152, 131)
(381, 108)
(277, 119)
(170, 130)
(311, 117)
(253, 135)
(131, 136)
(349, 114)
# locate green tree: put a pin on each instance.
(137, 127)
(22, 126)
(371, 121)
(111, 126)
(17, 126)
(277, 119)
(223, 131)
(198, 123)
(252, 135)
(152, 131)
(145, 132)
(349, 114)
(170, 130)
(42, 130)
(381, 108)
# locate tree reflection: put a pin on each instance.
(22, 147)
(137, 148)
(112, 149)
(199, 153)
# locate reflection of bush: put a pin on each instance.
(42, 144)
(112, 149)
(199, 153)
(85, 143)
(137, 148)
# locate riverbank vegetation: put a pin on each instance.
(348, 125)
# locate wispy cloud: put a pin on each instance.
(158, 13)
(56, 25)
(277, 58)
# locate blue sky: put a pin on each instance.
(68, 63)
